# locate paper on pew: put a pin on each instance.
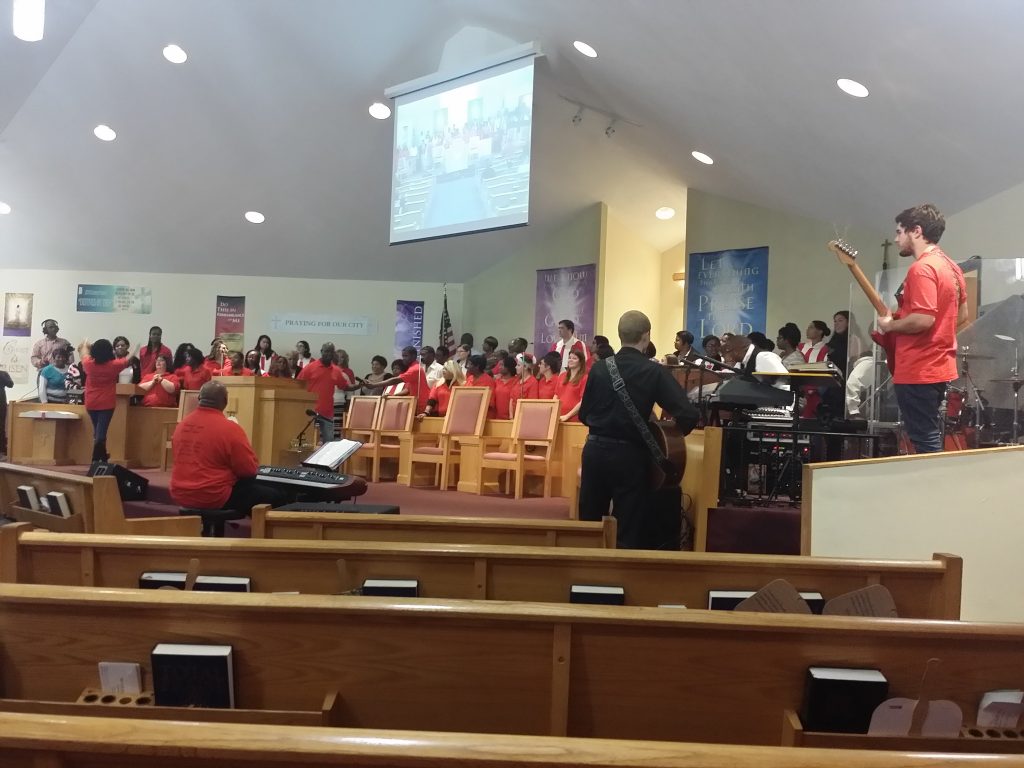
(875, 601)
(1000, 709)
(923, 716)
(778, 596)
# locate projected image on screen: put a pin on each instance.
(462, 155)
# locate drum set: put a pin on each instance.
(969, 421)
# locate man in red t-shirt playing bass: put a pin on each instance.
(933, 304)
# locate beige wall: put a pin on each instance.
(629, 276)
(805, 281)
(500, 301)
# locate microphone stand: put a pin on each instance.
(300, 439)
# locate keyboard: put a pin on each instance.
(768, 413)
(303, 477)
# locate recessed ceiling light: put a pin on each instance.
(380, 111)
(4, 209)
(175, 54)
(706, 159)
(852, 87)
(255, 217)
(586, 50)
(29, 20)
(104, 133)
(665, 213)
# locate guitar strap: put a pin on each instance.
(619, 385)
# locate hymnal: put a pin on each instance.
(28, 498)
(176, 580)
(838, 700)
(187, 675)
(57, 504)
(727, 599)
(391, 587)
(597, 595)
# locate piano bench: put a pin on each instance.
(213, 519)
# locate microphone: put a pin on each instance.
(311, 412)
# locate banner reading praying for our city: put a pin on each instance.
(727, 292)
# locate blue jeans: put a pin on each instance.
(326, 429)
(100, 423)
(919, 408)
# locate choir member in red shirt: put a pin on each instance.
(217, 362)
(237, 365)
(193, 375)
(161, 386)
(101, 372)
(452, 376)
(322, 376)
(280, 369)
(266, 353)
(252, 364)
(214, 464)
(414, 377)
(567, 341)
(547, 382)
(504, 385)
(525, 386)
(154, 348)
(477, 376)
(180, 356)
(570, 386)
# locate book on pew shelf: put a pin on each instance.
(120, 677)
(186, 675)
(594, 594)
(391, 587)
(840, 700)
(176, 580)
(57, 503)
(728, 599)
(28, 498)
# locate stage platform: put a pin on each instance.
(411, 501)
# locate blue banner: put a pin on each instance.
(114, 298)
(727, 292)
(408, 325)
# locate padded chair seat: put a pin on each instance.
(213, 519)
(432, 450)
(500, 456)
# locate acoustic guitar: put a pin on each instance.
(848, 255)
(669, 473)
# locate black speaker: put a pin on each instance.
(131, 486)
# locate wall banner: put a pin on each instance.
(302, 323)
(408, 325)
(566, 293)
(114, 298)
(15, 357)
(229, 322)
(727, 291)
(18, 314)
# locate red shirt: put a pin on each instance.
(415, 381)
(522, 389)
(157, 396)
(101, 383)
(570, 394)
(484, 380)
(546, 389)
(210, 453)
(147, 359)
(322, 379)
(441, 393)
(190, 379)
(502, 397)
(217, 370)
(934, 286)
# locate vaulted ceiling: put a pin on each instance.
(270, 113)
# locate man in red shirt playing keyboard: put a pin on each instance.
(214, 464)
(321, 377)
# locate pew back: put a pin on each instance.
(925, 590)
(526, 668)
(330, 526)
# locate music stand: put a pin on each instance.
(700, 364)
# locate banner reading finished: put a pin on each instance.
(727, 291)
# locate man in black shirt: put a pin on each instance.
(615, 458)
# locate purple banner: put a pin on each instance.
(408, 325)
(566, 293)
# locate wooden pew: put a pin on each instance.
(922, 590)
(486, 667)
(272, 524)
(95, 505)
(34, 741)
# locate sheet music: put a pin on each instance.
(332, 454)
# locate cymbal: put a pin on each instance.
(1015, 380)
(975, 356)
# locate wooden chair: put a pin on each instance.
(187, 403)
(360, 422)
(395, 420)
(534, 426)
(467, 413)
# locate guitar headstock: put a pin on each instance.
(845, 252)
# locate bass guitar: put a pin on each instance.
(668, 473)
(848, 255)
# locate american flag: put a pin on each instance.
(446, 338)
